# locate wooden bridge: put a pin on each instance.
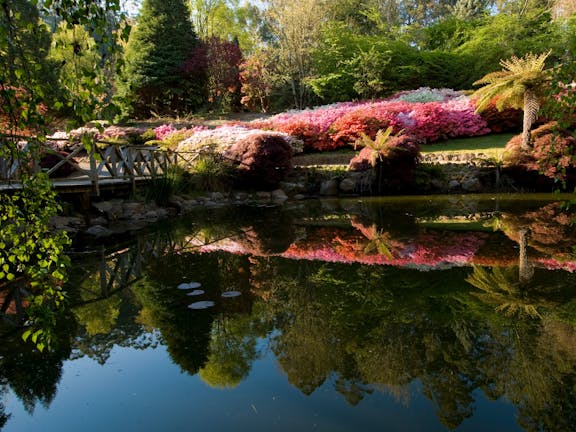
(110, 166)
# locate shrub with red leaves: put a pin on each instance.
(507, 120)
(52, 158)
(395, 166)
(553, 154)
(262, 160)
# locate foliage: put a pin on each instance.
(262, 160)
(211, 172)
(258, 77)
(224, 59)
(503, 120)
(154, 77)
(32, 256)
(80, 69)
(162, 188)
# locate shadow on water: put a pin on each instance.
(459, 294)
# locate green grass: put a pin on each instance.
(490, 145)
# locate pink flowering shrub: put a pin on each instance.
(163, 131)
(428, 114)
(553, 153)
(221, 138)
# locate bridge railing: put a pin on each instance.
(109, 162)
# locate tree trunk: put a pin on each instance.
(525, 269)
(531, 108)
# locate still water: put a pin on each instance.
(399, 314)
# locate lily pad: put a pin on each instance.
(230, 294)
(201, 305)
(196, 292)
(189, 285)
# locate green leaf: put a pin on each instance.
(26, 335)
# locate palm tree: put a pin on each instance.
(520, 84)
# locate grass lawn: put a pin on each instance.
(490, 145)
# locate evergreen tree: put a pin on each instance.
(152, 78)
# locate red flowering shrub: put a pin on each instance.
(310, 133)
(333, 126)
(553, 153)
(262, 160)
(350, 127)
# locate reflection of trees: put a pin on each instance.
(33, 376)
(232, 350)
(188, 333)
(382, 328)
(503, 289)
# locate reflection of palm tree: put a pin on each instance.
(380, 243)
(525, 269)
(503, 288)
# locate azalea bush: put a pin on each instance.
(220, 139)
(553, 153)
(428, 114)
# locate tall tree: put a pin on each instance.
(152, 78)
(521, 83)
(296, 26)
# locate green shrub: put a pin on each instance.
(211, 172)
(160, 189)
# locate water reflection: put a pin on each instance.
(461, 297)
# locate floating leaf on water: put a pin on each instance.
(189, 285)
(195, 292)
(228, 294)
(201, 304)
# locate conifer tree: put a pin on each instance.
(152, 79)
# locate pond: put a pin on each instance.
(397, 314)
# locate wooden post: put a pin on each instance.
(94, 171)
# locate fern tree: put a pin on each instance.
(522, 84)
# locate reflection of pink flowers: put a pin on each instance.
(554, 264)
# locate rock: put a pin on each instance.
(278, 196)
(99, 231)
(471, 184)
(241, 196)
(292, 188)
(347, 185)
(131, 210)
(66, 223)
(299, 197)
(264, 196)
(216, 196)
(329, 188)
(99, 221)
(113, 209)
(453, 185)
